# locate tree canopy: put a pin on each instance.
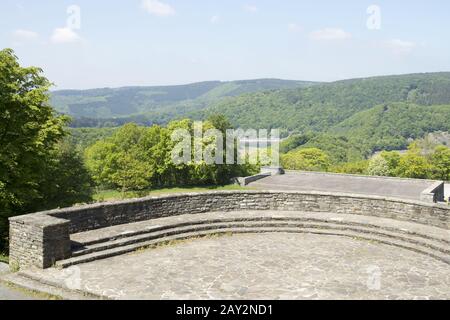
(34, 166)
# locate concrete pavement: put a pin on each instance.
(6, 292)
(312, 181)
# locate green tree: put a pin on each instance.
(358, 167)
(136, 158)
(378, 166)
(130, 173)
(122, 161)
(66, 181)
(440, 163)
(393, 159)
(99, 161)
(310, 159)
(220, 122)
(413, 165)
(30, 154)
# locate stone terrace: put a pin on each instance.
(346, 237)
(310, 181)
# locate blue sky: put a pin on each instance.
(159, 42)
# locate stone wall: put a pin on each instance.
(274, 171)
(434, 193)
(247, 180)
(41, 239)
(38, 240)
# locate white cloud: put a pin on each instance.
(158, 8)
(250, 8)
(400, 46)
(26, 35)
(330, 34)
(65, 35)
(293, 27)
(215, 19)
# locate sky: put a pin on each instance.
(84, 44)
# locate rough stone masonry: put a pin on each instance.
(43, 238)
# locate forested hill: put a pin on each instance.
(120, 102)
(349, 119)
(306, 107)
(320, 107)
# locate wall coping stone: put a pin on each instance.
(247, 180)
(53, 212)
(434, 193)
(361, 176)
(40, 239)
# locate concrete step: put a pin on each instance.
(26, 281)
(183, 234)
(294, 223)
(117, 232)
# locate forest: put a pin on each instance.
(54, 157)
(46, 165)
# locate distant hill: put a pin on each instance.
(349, 119)
(322, 106)
(127, 101)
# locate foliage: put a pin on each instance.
(339, 148)
(311, 159)
(85, 137)
(349, 120)
(108, 195)
(392, 126)
(413, 165)
(163, 103)
(320, 107)
(66, 180)
(137, 158)
(358, 167)
(386, 127)
(440, 163)
(31, 156)
(295, 141)
(416, 163)
(378, 166)
(392, 159)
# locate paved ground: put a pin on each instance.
(406, 189)
(6, 293)
(130, 228)
(264, 266)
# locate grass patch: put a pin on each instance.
(109, 195)
(4, 258)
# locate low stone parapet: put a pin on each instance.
(434, 193)
(43, 238)
(245, 181)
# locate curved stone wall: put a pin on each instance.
(43, 238)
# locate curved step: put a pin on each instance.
(444, 239)
(180, 235)
(27, 281)
(293, 223)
